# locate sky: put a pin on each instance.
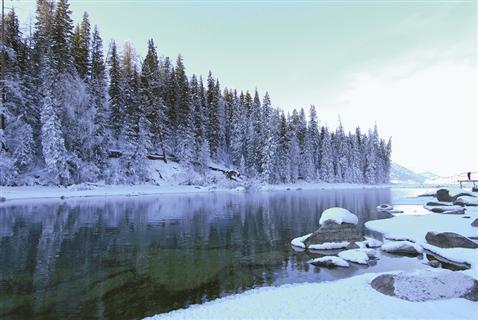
(408, 66)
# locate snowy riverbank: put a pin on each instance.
(102, 190)
(351, 298)
(354, 298)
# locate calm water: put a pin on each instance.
(127, 258)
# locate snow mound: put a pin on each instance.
(330, 260)
(355, 255)
(299, 241)
(338, 215)
(329, 245)
(401, 246)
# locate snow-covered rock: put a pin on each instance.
(329, 245)
(466, 201)
(329, 262)
(372, 243)
(450, 240)
(355, 255)
(425, 285)
(403, 247)
(299, 241)
(384, 207)
(447, 209)
(338, 215)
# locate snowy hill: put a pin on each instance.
(400, 174)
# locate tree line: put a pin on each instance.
(66, 109)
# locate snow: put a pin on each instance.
(351, 298)
(415, 227)
(299, 241)
(445, 208)
(355, 255)
(338, 215)
(372, 243)
(423, 285)
(339, 262)
(393, 246)
(467, 200)
(329, 245)
(174, 180)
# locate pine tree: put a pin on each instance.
(61, 38)
(326, 156)
(53, 144)
(98, 88)
(213, 116)
(116, 94)
(80, 48)
(184, 149)
(151, 98)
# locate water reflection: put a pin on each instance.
(134, 257)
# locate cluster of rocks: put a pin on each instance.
(451, 204)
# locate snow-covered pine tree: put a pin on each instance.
(151, 99)
(98, 89)
(313, 138)
(238, 131)
(184, 148)
(80, 48)
(370, 173)
(53, 144)
(213, 131)
(326, 156)
(116, 92)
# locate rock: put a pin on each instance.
(331, 231)
(426, 285)
(475, 223)
(3, 199)
(373, 243)
(352, 245)
(466, 201)
(355, 255)
(384, 207)
(444, 195)
(440, 204)
(448, 209)
(434, 263)
(429, 194)
(329, 262)
(384, 284)
(449, 240)
(402, 247)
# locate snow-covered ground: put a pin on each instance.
(351, 298)
(354, 298)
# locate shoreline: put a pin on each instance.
(100, 190)
(88, 190)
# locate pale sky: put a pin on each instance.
(409, 66)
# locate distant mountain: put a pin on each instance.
(400, 174)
